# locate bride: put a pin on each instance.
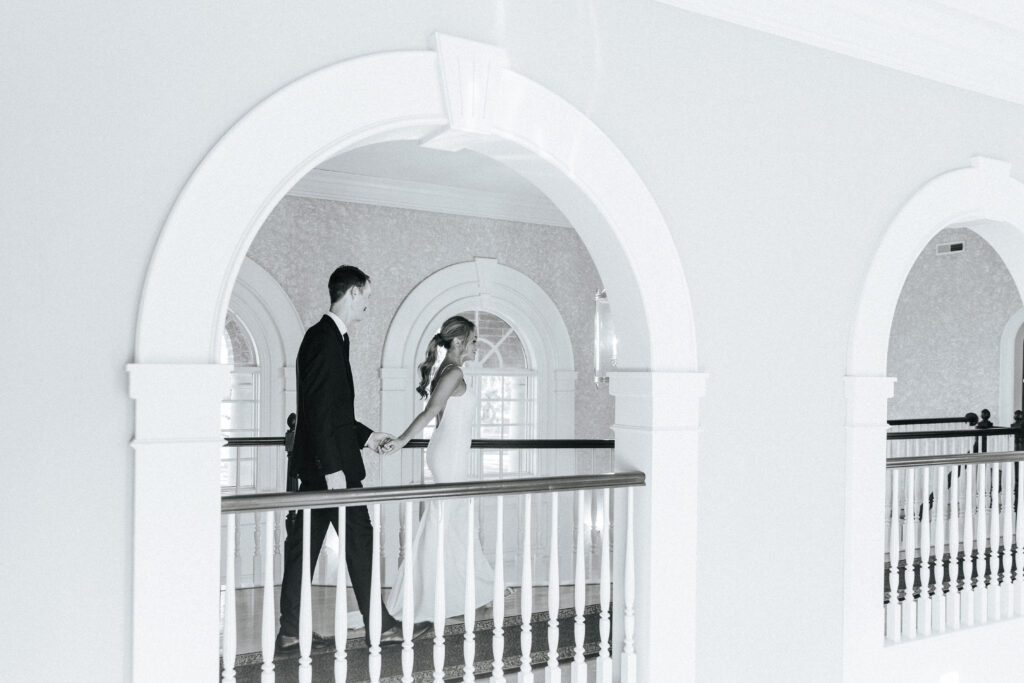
(453, 402)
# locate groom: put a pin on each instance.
(327, 454)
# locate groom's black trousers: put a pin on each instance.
(358, 555)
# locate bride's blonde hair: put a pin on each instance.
(455, 327)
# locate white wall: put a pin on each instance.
(777, 167)
(944, 345)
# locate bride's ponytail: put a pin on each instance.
(455, 327)
(427, 365)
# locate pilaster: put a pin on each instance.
(177, 448)
(656, 431)
(866, 413)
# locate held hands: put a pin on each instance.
(377, 440)
(392, 445)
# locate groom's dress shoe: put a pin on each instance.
(286, 643)
(392, 636)
(395, 635)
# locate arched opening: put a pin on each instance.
(432, 96)
(985, 197)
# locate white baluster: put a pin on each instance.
(604, 657)
(305, 607)
(981, 596)
(967, 609)
(374, 658)
(230, 646)
(994, 606)
(269, 605)
(1019, 537)
(953, 597)
(526, 598)
(498, 602)
(408, 604)
(629, 620)
(1005, 588)
(469, 602)
(924, 625)
(910, 557)
(939, 596)
(341, 605)
(439, 598)
(553, 673)
(579, 668)
(893, 622)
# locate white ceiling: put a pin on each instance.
(407, 160)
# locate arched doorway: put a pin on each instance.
(988, 199)
(461, 96)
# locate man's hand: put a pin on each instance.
(376, 439)
(336, 481)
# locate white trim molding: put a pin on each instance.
(395, 96)
(261, 303)
(408, 194)
(977, 46)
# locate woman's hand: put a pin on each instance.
(393, 445)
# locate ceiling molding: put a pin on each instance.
(970, 46)
(405, 194)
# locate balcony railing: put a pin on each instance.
(953, 556)
(536, 550)
(528, 490)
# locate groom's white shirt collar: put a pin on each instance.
(339, 322)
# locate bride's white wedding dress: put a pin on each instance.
(448, 457)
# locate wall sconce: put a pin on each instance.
(605, 344)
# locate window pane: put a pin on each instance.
(227, 472)
(490, 432)
(240, 345)
(243, 386)
(247, 473)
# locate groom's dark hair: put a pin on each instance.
(344, 279)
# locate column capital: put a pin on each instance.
(177, 402)
(657, 399)
(867, 399)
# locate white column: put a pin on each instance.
(866, 414)
(656, 432)
(176, 517)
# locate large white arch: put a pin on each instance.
(985, 197)
(461, 95)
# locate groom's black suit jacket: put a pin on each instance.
(327, 436)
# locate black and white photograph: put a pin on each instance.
(589, 341)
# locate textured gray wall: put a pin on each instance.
(303, 240)
(944, 343)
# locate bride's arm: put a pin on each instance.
(435, 405)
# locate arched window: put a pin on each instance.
(506, 390)
(240, 411)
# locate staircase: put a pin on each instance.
(248, 666)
